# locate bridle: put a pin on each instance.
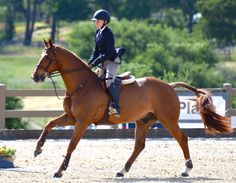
(59, 72)
(51, 60)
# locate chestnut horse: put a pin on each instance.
(144, 101)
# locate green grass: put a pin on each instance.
(43, 30)
(18, 49)
(16, 65)
(16, 70)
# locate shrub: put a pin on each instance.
(165, 52)
(14, 123)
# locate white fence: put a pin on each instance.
(227, 91)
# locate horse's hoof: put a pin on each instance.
(119, 174)
(184, 174)
(36, 153)
(57, 175)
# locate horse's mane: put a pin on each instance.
(74, 54)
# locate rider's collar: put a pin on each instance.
(102, 29)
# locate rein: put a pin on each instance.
(57, 73)
(55, 88)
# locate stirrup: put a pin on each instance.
(114, 111)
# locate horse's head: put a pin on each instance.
(47, 62)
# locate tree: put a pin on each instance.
(218, 20)
(67, 10)
(30, 16)
(130, 9)
(9, 24)
(12, 7)
(9, 9)
(189, 9)
(164, 52)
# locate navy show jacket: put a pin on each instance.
(104, 46)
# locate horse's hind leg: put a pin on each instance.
(176, 132)
(141, 130)
(63, 120)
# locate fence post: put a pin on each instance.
(2, 105)
(228, 89)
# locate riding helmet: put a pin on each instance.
(102, 15)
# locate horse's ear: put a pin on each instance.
(45, 42)
(50, 43)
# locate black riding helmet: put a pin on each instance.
(102, 15)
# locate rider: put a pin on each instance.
(104, 52)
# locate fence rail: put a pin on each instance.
(106, 134)
(227, 88)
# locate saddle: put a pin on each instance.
(125, 78)
(122, 79)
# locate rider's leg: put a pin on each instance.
(114, 107)
(111, 72)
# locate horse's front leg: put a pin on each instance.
(79, 130)
(63, 120)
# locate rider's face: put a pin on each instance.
(99, 23)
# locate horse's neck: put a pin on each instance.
(80, 73)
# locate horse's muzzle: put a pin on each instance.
(38, 78)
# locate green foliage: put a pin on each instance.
(218, 20)
(81, 39)
(132, 10)
(17, 64)
(228, 71)
(137, 69)
(183, 75)
(14, 123)
(10, 24)
(7, 151)
(13, 103)
(69, 10)
(174, 18)
(164, 52)
(8, 14)
(233, 102)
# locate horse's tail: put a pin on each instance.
(213, 122)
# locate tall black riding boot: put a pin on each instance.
(114, 107)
